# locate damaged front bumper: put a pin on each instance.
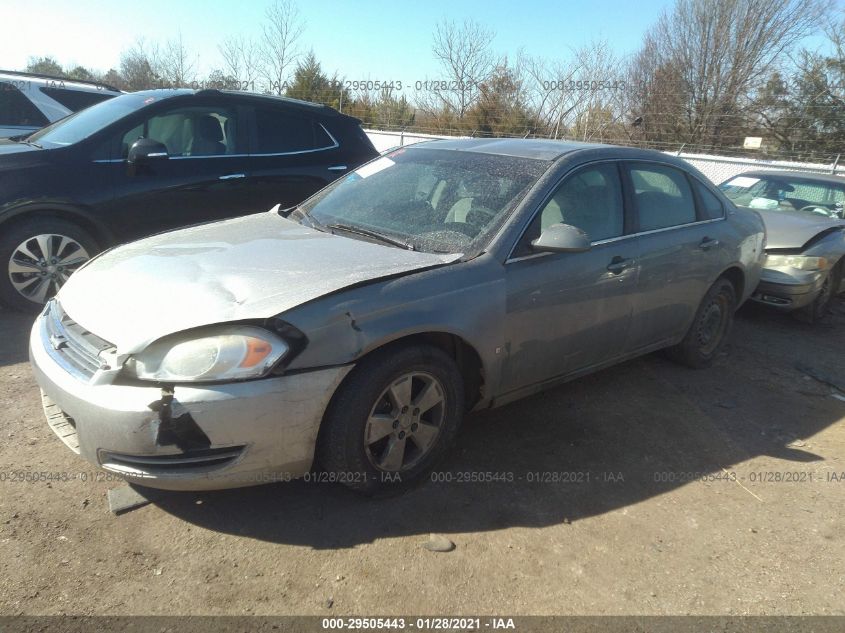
(788, 291)
(199, 437)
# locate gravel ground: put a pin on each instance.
(632, 532)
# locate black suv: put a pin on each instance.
(149, 161)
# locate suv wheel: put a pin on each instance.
(392, 419)
(709, 329)
(39, 255)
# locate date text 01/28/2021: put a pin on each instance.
(424, 623)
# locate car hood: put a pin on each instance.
(251, 267)
(793, 230)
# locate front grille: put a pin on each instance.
(62, 424)
(158, 465)
(79, 347)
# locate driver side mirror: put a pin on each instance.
(561, 238)
(145, 151)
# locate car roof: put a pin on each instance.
(795, 175)
(305, 106)
(547, 149)
(541, 149)
(74, 83)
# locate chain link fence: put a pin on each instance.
(716, 168)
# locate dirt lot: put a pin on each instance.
(635, 535)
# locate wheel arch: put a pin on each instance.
(83, 218)
(736, 276)
(465, 355)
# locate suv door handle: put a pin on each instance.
(338, 168)
(232, 176)
(707, 243)
(618, 264)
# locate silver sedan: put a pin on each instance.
(351, 334)
(805, 228)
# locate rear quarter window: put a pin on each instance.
(711, 206)
(75, 100)
(279, 132)
(17, 110)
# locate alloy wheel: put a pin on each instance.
(405, 422)
(40, 265)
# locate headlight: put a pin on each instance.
(799, 262)
(232, 354)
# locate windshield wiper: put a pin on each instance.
(23, 140)
(356, 230)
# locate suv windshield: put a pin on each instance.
(84, 123)
(776, 193)
(433, 200)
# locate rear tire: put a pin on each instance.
(37, 255)
(710, 327)
(393, 418)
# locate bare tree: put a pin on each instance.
(581, 96)
(240, 60)
(801, 109)
(139, 67)
(175, 64)
(502, 108)
(279, 48)
(707, 56)
(466, 58)
(546, 94)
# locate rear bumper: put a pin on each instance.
(787, 292)
(205, 437)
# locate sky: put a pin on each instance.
(366, 39)
(386, 40)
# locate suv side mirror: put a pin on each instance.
(145, 151)
(562, 238)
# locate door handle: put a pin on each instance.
(618, 264)
(232, 176)
(338, 168)
(707, 243)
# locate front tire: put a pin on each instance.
(710, 327)
(38, 255)
(393, 418)
(820, 307)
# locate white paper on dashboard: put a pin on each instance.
(743, 181)
(374, 167)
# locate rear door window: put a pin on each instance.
(279, 132)
(663, 197)
(16, 110)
